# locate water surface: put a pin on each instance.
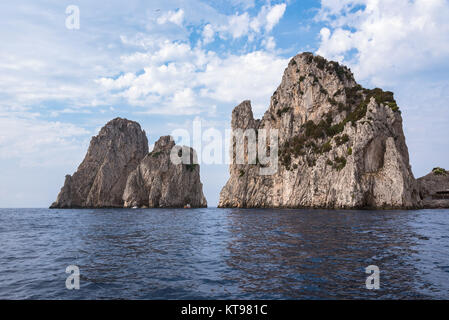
(223, 253)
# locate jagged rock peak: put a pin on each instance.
(101, 178)
(242, 116)
(119, 123)
(164, 143)
(317, 70)
(340, 145)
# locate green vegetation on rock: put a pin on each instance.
(341, 139)
(340, 163)
(155, 154)
(320, 62)
(315, 138)
(191, 167)
(280, 112)
(439, 171)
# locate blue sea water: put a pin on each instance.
(223, 253)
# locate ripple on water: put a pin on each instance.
(223, 253)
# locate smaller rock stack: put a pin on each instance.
(158, 182)
(434, 189)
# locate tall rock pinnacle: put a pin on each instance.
(101, 178)
(340, 145)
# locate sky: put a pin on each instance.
(167, 64)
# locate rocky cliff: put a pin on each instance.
(101, 178)
(112, 160)
(158, 182)
(340, 145)
(434, 189)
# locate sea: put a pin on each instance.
(223, 254)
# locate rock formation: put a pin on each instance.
(158, 182)
(101, 177)
(112, 157)
(340, 145)
(434, 189)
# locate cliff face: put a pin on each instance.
(158, 182)
(429, 187)
(101, 177)
(340, 145)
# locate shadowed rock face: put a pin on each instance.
(429, 185)
(101, 178)
(157, 182)
(340, 145)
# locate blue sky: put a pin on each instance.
(168, 63)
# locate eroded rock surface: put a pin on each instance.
(101, 178)
(158, 182)
(340, 145)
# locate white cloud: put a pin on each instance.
(269, 43)
(48, 67)
(184, 98)
(238, 25)
(208, 34)
(252, 76)
(176, 17)
(390, 37)
(274, 15)
(180, 79)
(120, 83)
(241, 25)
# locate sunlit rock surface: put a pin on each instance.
(340, 145)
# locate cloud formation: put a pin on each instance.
(176, 77)
(243, 25)
(176, 17)
(384, 39)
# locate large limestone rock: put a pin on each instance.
(340, 145)
(431, 187)
(101, 178)
(158, 182)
